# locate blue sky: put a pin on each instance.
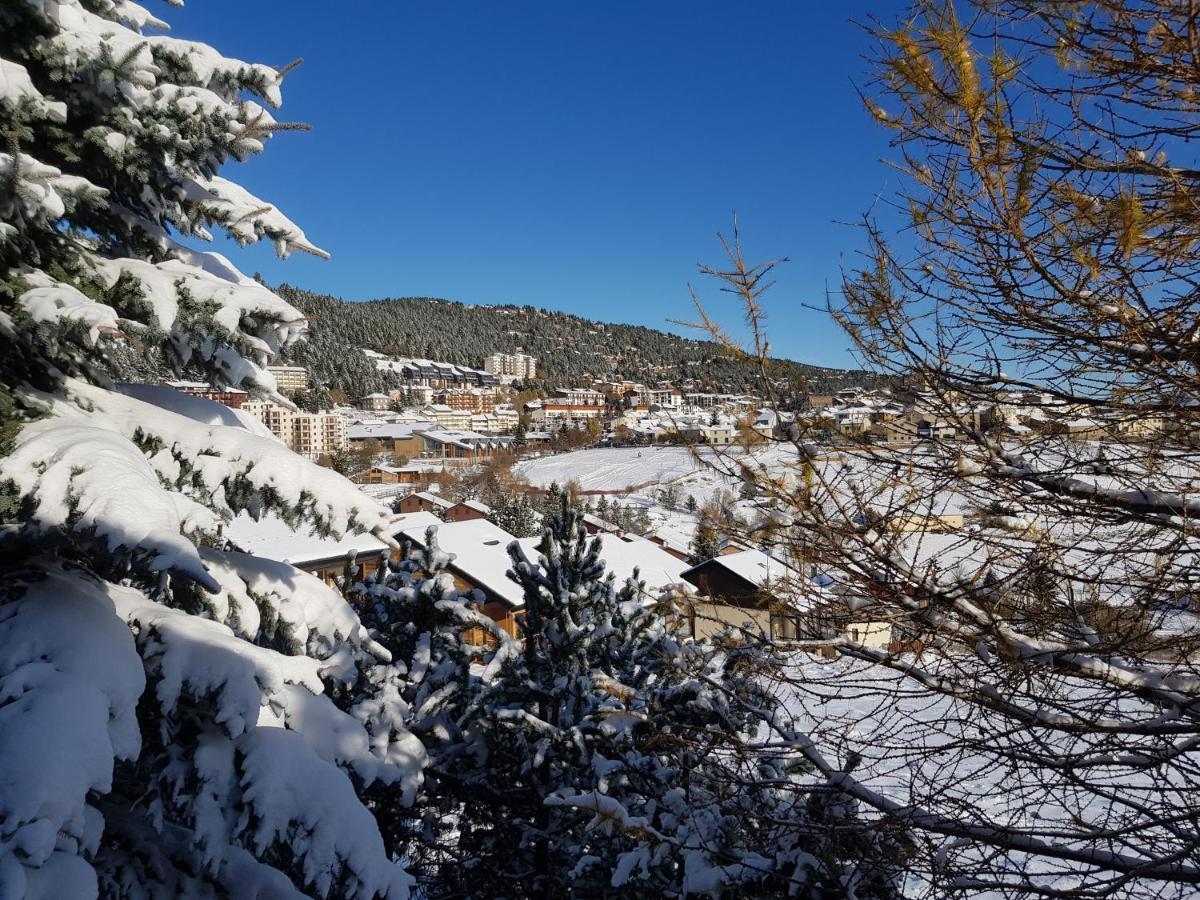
(573, 156)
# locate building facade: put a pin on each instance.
(512, 365)
(290, 379)
(309, 434)
(228, 396)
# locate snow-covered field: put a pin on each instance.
(610, 468)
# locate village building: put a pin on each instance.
(391, 475)
(401, 438)
(311, 435)
(290, 379)
(329, 558)
(468, 510)
(374, 402)
(514, 366)
(234, 398)
(472, 400)
(425, 501)
(742, 589)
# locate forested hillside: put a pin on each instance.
(567, 347)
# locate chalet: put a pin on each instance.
(670, 544)
(390, 475)
(326, 557)
(424, 501)
(468, 510)
(481, 562)
(595, 525)
(734, 590)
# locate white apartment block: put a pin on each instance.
(669, 398)
(447, 417)
(577, 397)
(290, 379)
(309, 434)
(515, 365)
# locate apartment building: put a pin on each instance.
(309, 434)
(511, 365)
(227, 396)
(290, 379)
(447, 417)
(473, 400)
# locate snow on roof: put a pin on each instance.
(657, 568)
(480, 554)
(436, 499)
(476, 505)
(752, 565)
(272, 538)
(364, 431)
(602, 524)
(420, 519)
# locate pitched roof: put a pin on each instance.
(436, 499)
(480, 555)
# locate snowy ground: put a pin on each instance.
(610, 468)
(952, 757)
(638, 474)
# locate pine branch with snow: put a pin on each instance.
(168, 724)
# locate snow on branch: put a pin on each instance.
(70, 679)
(90, 481)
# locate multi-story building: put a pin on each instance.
(703, 401)
(433, 374)
(414, 395)
(513, 365)
(543, 413)
(227, 396)
(447, 418)
(668, 398)
(290, 379)
(309, 434)
(577, 397)
(374, 402)
(473, 400)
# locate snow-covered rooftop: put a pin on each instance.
(481, 555)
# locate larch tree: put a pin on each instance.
(1032, 294)
(165, 726)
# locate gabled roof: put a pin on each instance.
(621, 555)
(272, 538)
(752, 566)
(480, 551)
(436, 499)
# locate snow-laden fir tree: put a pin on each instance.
(165, 726)
(415, 611)
(607, 755)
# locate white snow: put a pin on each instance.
(70, 679)
(481, 554)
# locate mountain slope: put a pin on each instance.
(567, 347)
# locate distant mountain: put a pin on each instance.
(567, 347)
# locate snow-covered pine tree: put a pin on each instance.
(164, 723)
(415, 611)
(609, 756)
